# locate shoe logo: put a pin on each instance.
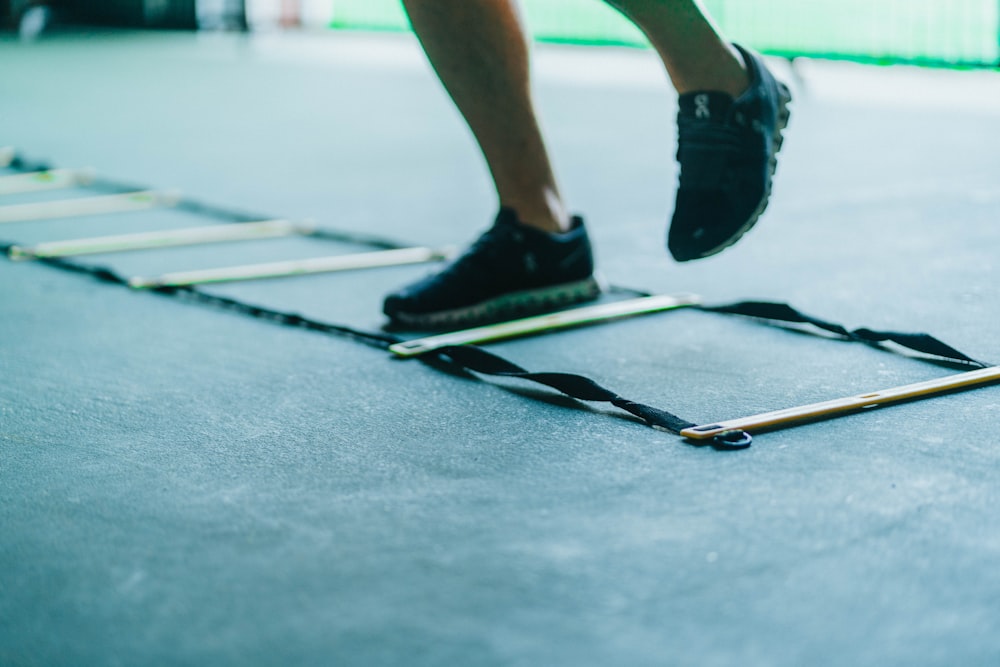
(701, 106)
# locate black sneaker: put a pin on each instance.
(727, 152)
(512, 270)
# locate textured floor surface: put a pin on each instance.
(181, 485)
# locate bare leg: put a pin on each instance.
(695, 55)
(479, 50)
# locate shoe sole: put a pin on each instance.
(507, 306)
(784, 97)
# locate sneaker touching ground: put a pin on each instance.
(727, 149)
(512, 270)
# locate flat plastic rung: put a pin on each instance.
(244, 231)
(835, 407)
(539, 324)
(38, 181)
(67, 208)
(366, 260)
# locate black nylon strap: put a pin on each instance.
(22, 163)
(101, 273)
(780, 312)
(576, 386)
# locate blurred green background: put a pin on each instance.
(931, 32)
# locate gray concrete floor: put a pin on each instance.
(180, 485)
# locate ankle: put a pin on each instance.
(548, 215)
(738, 79)
(726, 73)
(546, 224)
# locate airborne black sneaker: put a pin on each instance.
(727, 152)
(512, 270)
